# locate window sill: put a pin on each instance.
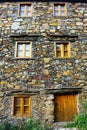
(21, 116)
(64, 59)
(25, 16)
(67, 58)
(23, 58)
(60, 17)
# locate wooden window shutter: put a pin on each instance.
(21, 105)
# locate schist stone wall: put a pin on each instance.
(42, 75)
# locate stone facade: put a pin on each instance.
(42, 75)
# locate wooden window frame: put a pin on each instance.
(25, 9)
(16, 49)
(59, 9)
(21, 106)
(62, 49)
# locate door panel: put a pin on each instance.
(65, 107)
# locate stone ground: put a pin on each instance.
(65, 129)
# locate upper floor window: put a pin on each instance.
(23, 49)
(21, 105)
(60, 9)
(25, 10)
(62, 50)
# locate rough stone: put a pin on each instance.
(2, 63)
(46, 72)
(15, 25)
(46, 60)
(84, 56)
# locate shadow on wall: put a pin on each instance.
(72, 1)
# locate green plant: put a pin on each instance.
(7, 126)
(80, 120)
(31, 124)
(70, 125)
(4, 126)
(13, 127)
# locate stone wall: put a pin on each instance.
(43, 73)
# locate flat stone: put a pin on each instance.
(19, 20)
(45, 26)
(3, 82)
(68, 79)
(64, 67)
(0, 23)
(46, 60)
(1, 94)
(25, 73)
(58, 75)
(77, 61)
(84, 56)
(79, 23)
(2, 63)
(15, 25)
(46, 72)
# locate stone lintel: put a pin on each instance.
(20, 92)
(24, 35)
(63, 90)
(63, 35)
(75, 1)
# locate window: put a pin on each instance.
(21, 106)
(65, 107)
(60, 10)
(23, 49)
(25, 10)
(62, 50)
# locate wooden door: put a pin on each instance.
(65, 107)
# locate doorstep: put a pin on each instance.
(65, 129)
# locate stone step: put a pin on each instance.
(65, 129)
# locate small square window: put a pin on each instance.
(62, 50)
(21, 105)
(23, 49)
(25, 10)
(60, 9)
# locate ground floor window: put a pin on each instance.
(65, 107)
(21, 105)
